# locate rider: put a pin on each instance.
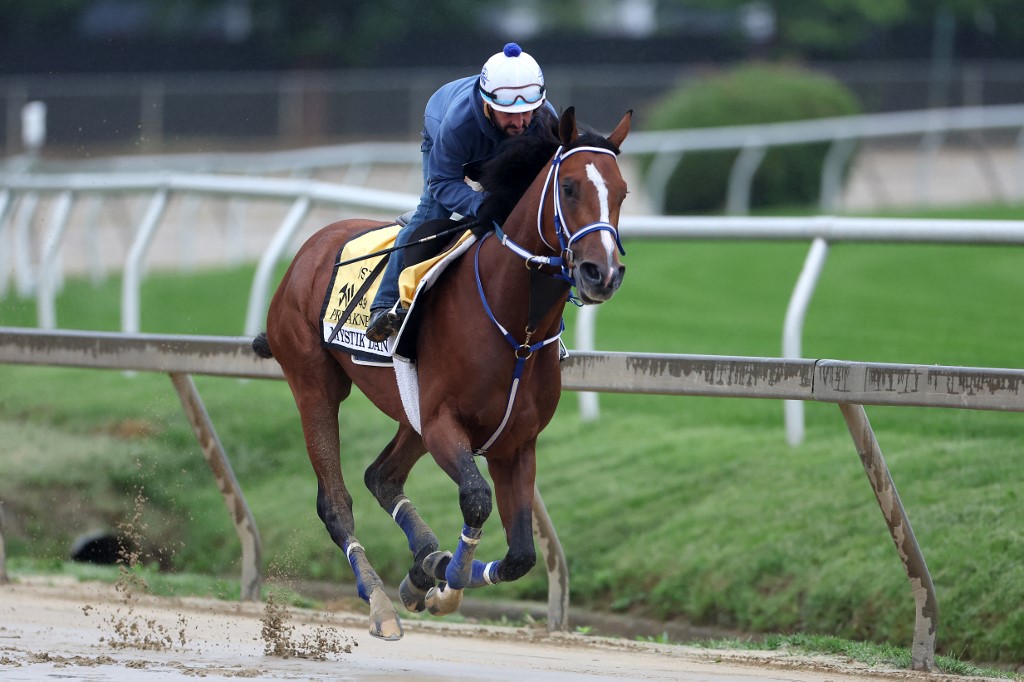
(464, 121)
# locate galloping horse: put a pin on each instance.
(489, 377)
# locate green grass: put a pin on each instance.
(156, 582)
(667, 507)
(875, 655)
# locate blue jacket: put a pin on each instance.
(455, 132)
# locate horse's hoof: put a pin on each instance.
(436, 564)
(413, 598)
(384, 622)
(443, 600)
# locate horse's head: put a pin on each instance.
(588, 195)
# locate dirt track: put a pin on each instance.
(59, 628)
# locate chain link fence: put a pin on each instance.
(158, 113)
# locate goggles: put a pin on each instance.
(508, 96)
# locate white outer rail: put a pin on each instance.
(669, 146)
(820, 230)
(302, 193)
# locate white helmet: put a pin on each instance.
(511, 81)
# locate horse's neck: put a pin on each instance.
(507, 280)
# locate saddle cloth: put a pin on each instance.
(348, 280)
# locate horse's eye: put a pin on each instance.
(567, 189)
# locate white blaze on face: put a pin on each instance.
(595, 177)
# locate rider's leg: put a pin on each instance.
(386, 312)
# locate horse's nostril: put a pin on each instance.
(590, 272)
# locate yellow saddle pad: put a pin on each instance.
(409, 283)
(346, 283)
(350, 290)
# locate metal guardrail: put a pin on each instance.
(821, 231)
(851, 385)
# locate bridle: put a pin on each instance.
(563, 261)
(566, 238)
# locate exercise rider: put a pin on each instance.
(464, 121)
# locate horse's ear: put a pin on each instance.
(621, 130)
(567, 126)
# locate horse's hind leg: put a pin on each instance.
(319, 412)
(386, 479)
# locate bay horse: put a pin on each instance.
(562, 222)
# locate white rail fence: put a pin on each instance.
(850, 385)
(932, 126)
(30, 186)
(353, 164)
(821, 231)
(44, 277)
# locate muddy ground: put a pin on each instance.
(59, 628)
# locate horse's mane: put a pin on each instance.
(509, 172)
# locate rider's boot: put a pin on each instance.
(385, 322)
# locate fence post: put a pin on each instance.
(793, 329)
(49, 262)
(130, 296)
(3, 551)
(213, 452)
(256, 313)
(659, 174)
(741, 177)
(586, 321)
(21, 223)
(5, 261)
(922, 651)
(554, 560)
(832, 172)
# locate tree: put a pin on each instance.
(339, 31)
(834, 27)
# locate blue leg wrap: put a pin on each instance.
(354, 551)
(406, 517)
(460, 568)
(484, 574)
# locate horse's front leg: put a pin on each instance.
(460, 570)
(514, 480)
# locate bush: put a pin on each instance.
(745, 96)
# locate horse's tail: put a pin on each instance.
(261, 346)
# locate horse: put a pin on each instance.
(483, 390)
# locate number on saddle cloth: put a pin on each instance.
(417, 253)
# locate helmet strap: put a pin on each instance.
(489, 115)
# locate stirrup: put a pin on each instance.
(385, 323)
